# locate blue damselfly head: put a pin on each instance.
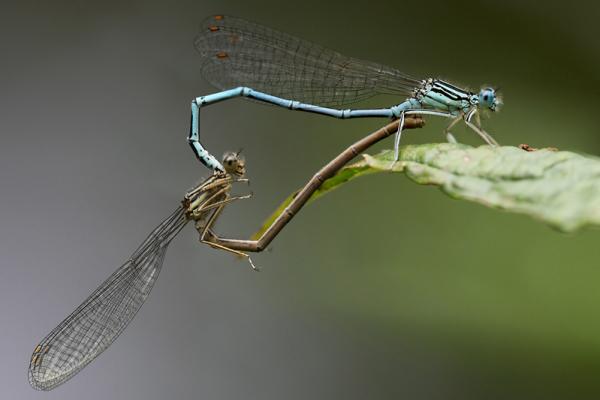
(234, 163)
(490, 99)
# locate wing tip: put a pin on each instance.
(40, 384)
(43, 381)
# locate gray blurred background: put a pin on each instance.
(381, 290)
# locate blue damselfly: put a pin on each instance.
(245, 59)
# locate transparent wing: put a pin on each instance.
(236, 52)
(99, 320)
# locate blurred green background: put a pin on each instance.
(427, 297)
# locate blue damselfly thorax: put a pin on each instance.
(440, 95)
(248, 60)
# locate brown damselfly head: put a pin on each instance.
(234, 163)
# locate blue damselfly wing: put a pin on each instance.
(236, 52)
(100, 319)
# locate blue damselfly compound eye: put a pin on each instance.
(488, 98)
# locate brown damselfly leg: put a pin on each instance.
(214, 195)
(206, 232)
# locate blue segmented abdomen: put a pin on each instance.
(194, 141)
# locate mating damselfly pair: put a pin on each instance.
(270, 67)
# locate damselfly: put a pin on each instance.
(100, 319)
(245, 59)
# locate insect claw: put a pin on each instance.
(254, 267)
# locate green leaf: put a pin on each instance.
(559, 188)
